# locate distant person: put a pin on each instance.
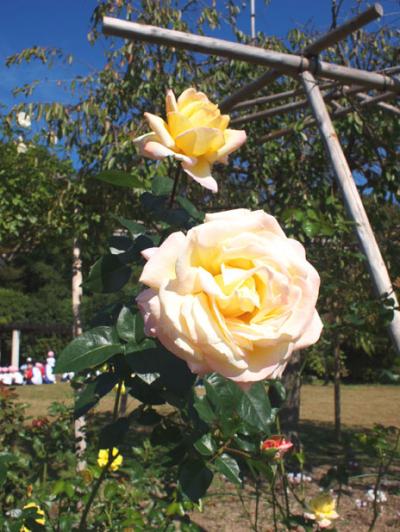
(50, 378)
(67, 377)
(28, 373)
(25, 365)
(42, 369)
(36, 374)
(37, 377)
(16, 375)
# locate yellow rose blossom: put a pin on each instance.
(323, 510)
(102, 459)
(39, 521)
(195, 133)
(234, 296)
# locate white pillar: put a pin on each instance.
(16, 335)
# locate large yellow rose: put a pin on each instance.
(195, 133)
(234, 295)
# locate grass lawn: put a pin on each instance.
(362, 405)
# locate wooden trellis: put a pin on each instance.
(310, 70)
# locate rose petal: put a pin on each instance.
(149, 147)
(161, 265)
(200, 140)
(178, 123)
(170, 101)
(311, 334)
(233, 138)
(201, 172)
(159, 127)
(190, 95)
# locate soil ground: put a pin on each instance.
(227, 510)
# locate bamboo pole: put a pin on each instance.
(80, 423)
(344, 30)
(309, 121)
(383, 105)
(353, 203)
(313, 49)
(274, 97)
(289, 63)
(296, 92)
(300, 104)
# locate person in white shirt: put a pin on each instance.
(36, 375)
(50, 378)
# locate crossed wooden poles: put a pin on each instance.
(307, 67)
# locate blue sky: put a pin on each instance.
(65, 24)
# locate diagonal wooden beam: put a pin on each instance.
(353, 203)
(309, 121)
(313, 49)
(287, 63)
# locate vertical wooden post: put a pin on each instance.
(80, 423)
(16, 336)
(353, 203)
(337, 401)
(290, 412)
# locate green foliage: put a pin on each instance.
(217, 430)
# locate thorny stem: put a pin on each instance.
(383, 468)
(274, 505)
(254, 527)
(258, 492)
(111, 458)
(95, 489)
(175, 187)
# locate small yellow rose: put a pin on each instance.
(323, 510)
(103, 458)
(195, 133)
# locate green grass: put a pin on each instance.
(362, 405)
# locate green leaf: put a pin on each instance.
(108, 274)
(148, 394)
(120, 179)
(255, 409)
(93, 391)
(162, 186)
(135, 228)
(5, 460)
(113, 434)
(195, 478)
(229, 468)
(190, 208)
(88, 350)
(204, 409)
(223, 393)
(206, 445)
(276, 393)
(130, 326)
(174, 373)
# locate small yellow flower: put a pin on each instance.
(323, 510)
(39, 521)
(194, 133)
(103, 459)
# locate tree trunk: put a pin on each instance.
(80, 423)
(290, 413)
(338, 428)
